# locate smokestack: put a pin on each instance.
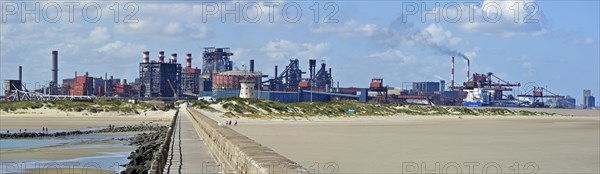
(275, 72)
(161, 57)
(330, 72)
(173, 58)
(86, 74)
(55, 67)
(188, 60)
(146, 56)
(251, 65)
(105, 83)
(21, 74)
(468, 68)
(452, 75)
(75, 74)
(312, 63)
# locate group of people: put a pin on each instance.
(229, 123)
(44, 130)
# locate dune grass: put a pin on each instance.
(237, 107)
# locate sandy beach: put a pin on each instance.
(35, 119)
(403, 144)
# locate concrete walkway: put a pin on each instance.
(188, 152)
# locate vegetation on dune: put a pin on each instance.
(238, 107)
(99, 105)
(201, 104)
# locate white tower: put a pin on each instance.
(247, 90)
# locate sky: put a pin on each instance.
(553, 44)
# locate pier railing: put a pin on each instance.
(159, 159)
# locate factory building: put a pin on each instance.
(158, 79)
(426, 87)
(214, 61)
(588, 100)
(190, 77)
(232, 79)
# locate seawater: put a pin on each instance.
(104, 160)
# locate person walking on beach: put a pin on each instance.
(235, 123)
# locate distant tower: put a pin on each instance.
(54, 82)
(247, 89)
(588, 99)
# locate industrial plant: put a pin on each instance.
(161, 79)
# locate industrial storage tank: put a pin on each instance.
(231, 79)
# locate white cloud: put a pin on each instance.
(526, 65)
(585, 41)
(349, 28)
(394, 56)
(120, 49)
(284, 49)
(514, 19)
(436, 35)
(161, 28)
(95, 36)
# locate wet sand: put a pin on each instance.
(59, 120)
(403, 144)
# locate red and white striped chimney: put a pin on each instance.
(161, 57)
(146, 56)
(452, 75)
(174, 58)
(188, 60)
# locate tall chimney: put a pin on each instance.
(188, 60)
(173, 58)
(55, 67)
(161, 57)
(275, 72)
(251, 65)
(75, 74)
(452, 75)
(312, 63)
(468, 68)
(146, 56)
(105, 83)
(21, 74)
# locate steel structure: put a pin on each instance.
(489, 82)
(288, 79)
(537, 95)
(216, 60)
(323, 77)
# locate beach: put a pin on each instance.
(95, 153)
(441, 144)
(35, 119)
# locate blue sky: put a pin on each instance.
(363, 39)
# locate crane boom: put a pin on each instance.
(173, 89)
